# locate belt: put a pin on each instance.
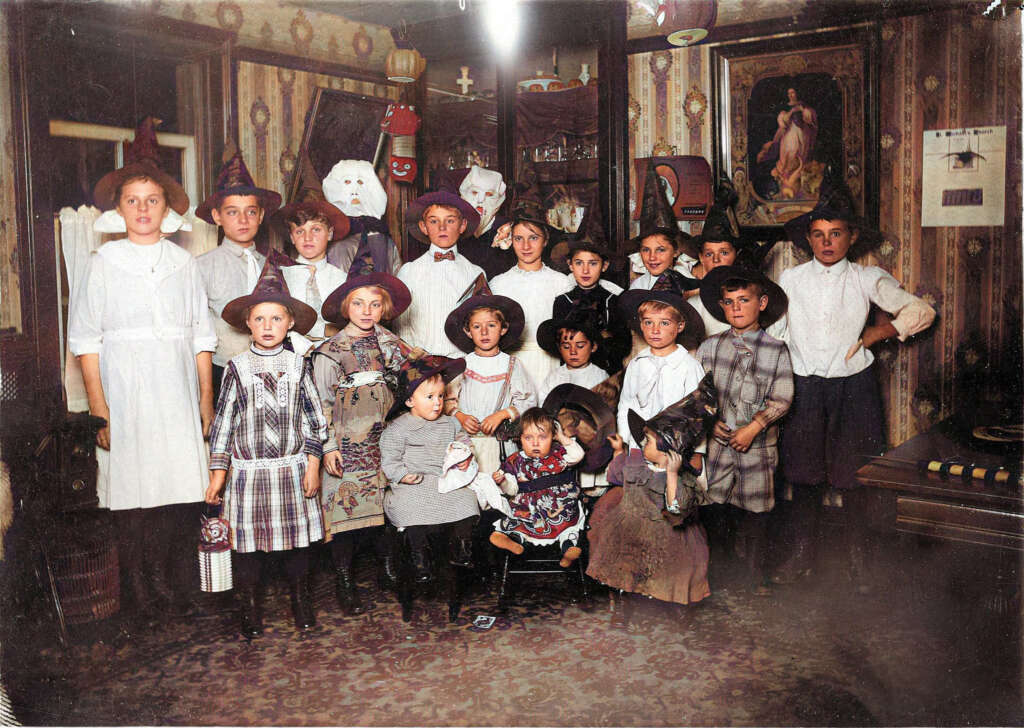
(360, 379)
(268, 463)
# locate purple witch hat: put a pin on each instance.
(369, 268)
(234, 179)
(416, 371)
(271, 288)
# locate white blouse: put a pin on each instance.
(481, 384)
(652, 383)
(587, 377)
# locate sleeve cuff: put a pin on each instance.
(313, 447)
(220, 461)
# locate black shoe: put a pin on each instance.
(387, 574)
(462, 554)
(421, 567)
(302, 605)
(345, 590)
(250, 624)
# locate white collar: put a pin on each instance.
(836, 269)
(266, 352)
(646, 353)
(319, 265)
(442, 251)
(239, 249)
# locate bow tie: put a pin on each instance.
(450, 255)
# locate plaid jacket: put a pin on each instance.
(754, 378)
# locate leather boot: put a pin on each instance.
(387, 573)
(461, 553)
(250, 622)
(345, 590)
(421, 567)
(302, 605)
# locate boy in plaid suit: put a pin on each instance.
(754, 378)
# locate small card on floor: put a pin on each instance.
(483, 622)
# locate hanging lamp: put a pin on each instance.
(404, 64)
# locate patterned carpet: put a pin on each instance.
(809, 655)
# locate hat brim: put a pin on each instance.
(398, 291)
(549, 341)
(448, 371)
(711, 293)
(868, 237)
(235, 312)
(514, 318)
(693, 326)
(637, 424)
(414, 213)
(104, 191)
(268, 201)
(337, 219)
(579, 398)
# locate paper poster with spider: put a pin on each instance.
(964, 174)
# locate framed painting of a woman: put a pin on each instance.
(787, 110)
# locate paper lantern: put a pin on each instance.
(404, 65)
(687, 22)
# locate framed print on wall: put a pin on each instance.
(787, 108)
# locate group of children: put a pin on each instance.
(329, 426)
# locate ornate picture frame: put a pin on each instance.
(788, 107)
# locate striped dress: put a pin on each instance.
(269, 419)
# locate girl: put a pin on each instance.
(534, 285)
(495, 387)
(140, 329)
(355, 372)
(544, 490)
(269, 432)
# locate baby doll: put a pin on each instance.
(460, 470)
(543, 488)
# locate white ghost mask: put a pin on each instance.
(353, 187)
(484, 190)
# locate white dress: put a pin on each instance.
(587, 377)
(535, 291)
(478, 390)
(147, 320)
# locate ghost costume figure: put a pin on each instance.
(353, 187)
(484, 189)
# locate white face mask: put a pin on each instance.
(353, 187)
(485, 191)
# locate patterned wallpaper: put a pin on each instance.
(937, 71)
(10, 288)
(274, 26)
(272, 106)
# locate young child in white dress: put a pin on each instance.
(495, 389)
(269, 432)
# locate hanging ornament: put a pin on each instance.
(402, 122)
(404, 63)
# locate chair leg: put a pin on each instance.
(405, 578)
(503, 587)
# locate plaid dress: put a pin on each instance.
(268, 420)
(754, 379)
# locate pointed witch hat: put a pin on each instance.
(234, 179)
(656, 216)
(682, 425)
(590, 237)
(142, 155)
(835, 203)
(310, 200)
(369, 268)
(271, 288)
(528, 205)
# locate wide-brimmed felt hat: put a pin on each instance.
(549, 340)
(271, 288)
(142, 156)
(593, 418)
(834, 203)
(369, 268)
(711, 292)
(682, 425)
(693, 329)
(415, 371)
(414, 213)
(514, 317)
(234, 179)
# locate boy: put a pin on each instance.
(663, 372)
(231, 269)
(271, 499)
(412, 452)
(837, 419)
(754, 379)
(717, 246)
(544, 490)
(596, 298)
(574, 340)
(310, 226)
(439, 277)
